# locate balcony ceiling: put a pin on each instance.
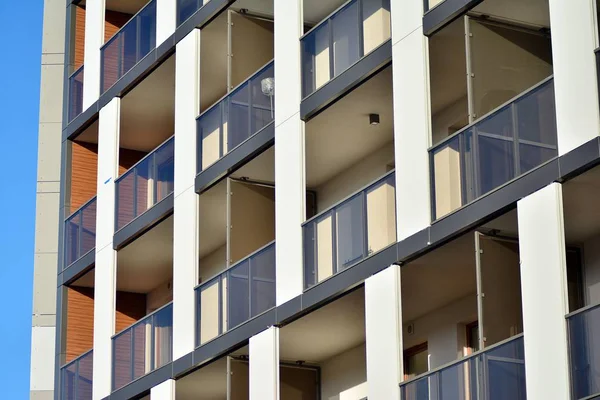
(535, 13)
(582, 215)
(257, 7)
(326, 332)
(341, 135)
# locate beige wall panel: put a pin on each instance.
(251, 44)
(344, 376)
(447, 181)
(297, 383)
(324, 248)
(376, 25)
(239, 378)
(381, 217)
(209, 312)
(213, 62)
(252, 210)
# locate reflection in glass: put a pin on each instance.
(584, 352)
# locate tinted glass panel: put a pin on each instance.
(262, 268)
(584, 349)
(237, 117)
(345, 38)
(350, 232)
(239, 309)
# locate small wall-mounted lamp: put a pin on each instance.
(374, 119)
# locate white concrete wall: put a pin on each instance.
(344, 377)
(383, 328)
(444, 330)
(289, 151)
(411, 117)
(575, 80)
(185, 222)
(591, 272)
(163, 391)
(106, 258)
(94, 39)
(368, 170)
(166, 15)
(264, 365)
(544, 291)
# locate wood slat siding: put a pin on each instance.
(84, 167)
(131, 307)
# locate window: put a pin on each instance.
(416, 361)
(472, 331)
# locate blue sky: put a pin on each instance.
(20, 56)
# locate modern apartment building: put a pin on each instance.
(318, 199)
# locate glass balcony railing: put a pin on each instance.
(584, 351)
(350, 231)
(80, 232)
(128, 46)
(242, 292)
(145, 184)
(497, 372)
(343, 38)
(236, 117)
(186, 8)
(76, 378)
(497, 148)
(143, 347)
(75, 94)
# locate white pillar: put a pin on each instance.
(289, 151)
(163, 391)
(411, 117)
(106, 257)
(575, 80)
(94, 39)
(185, 218)
(544, 293)
(264, 365)
(383, 329)
(166, 14)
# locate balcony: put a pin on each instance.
(76, 378)
(342, 39)
(143, 347)
(185, 9)
(80, 232)
(506, 143)
(242, 292)
(145, 184)
(350, 231)
(498, 372)
(75, 94)
(238, 116)
(128, 46)
(584, 350)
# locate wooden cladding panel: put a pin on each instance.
(113, 21)
(84, 167)
(131, 307)
(80, 321)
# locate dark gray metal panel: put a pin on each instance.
(236, 158)
(143, 223)
(413, 245)
(82, 121)
(141, 386)
(344, 83)
(79, 267)
(444, 13)
(166, 48)
(289, 310)
(200, 18)
(183, 364)
(494, 204)
(234, 338)
(580, 159)
(349, 278)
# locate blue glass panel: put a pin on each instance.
(238, 294)
(263, 281)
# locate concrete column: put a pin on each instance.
(106, 257)
(166, 14)
(264, 365)
(575, 77)
(544, 293)
(185, 218)
(383, 329)
(94, 39)
(290, 185)
(411, 117)
(163, 391)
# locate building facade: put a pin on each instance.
(318, 199)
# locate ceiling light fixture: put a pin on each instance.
(374, 119)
